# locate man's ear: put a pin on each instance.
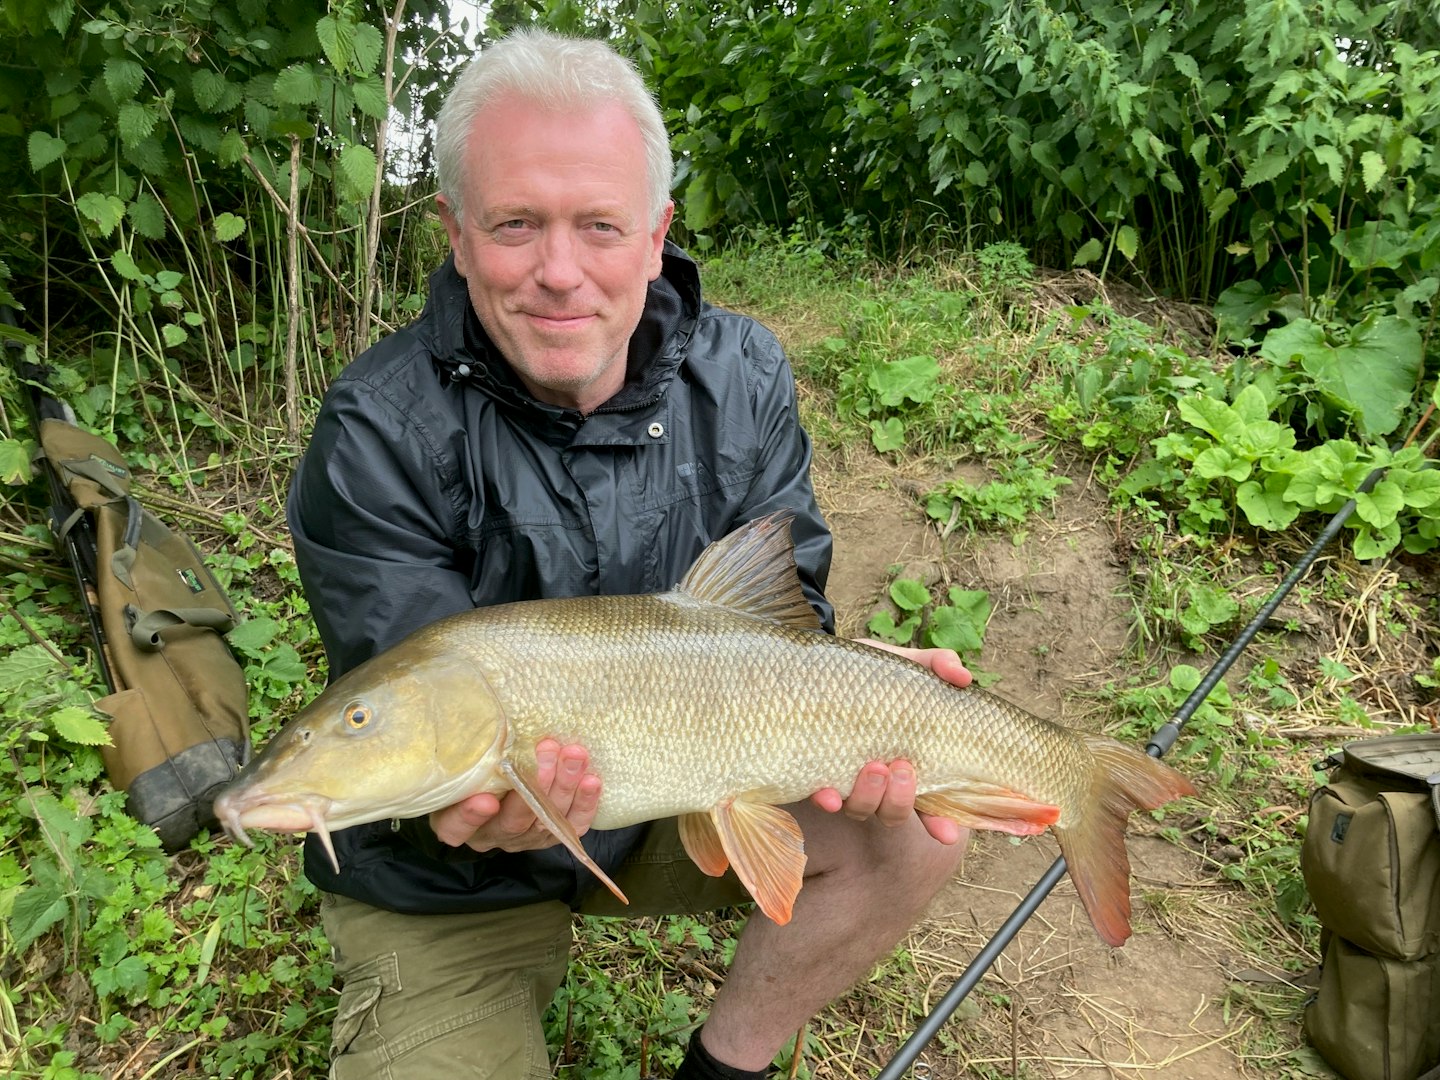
(657, 240)
(452, 230)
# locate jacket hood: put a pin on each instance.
(465, 354)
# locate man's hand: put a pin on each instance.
(487, 823)
(886, 790)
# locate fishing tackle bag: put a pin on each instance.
(178, 707)
(1371, 863)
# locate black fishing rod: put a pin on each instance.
(74, 532)
(1159, 743)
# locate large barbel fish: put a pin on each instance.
(716, 703)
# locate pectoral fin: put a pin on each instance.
(978, 805)
(555, 822)
(765, 845)
(702, 843)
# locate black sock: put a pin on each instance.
(700, 1065)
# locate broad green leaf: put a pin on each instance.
(370, 98)
(731, 102)
(166, 280)
(1215, 418)
(79, 726)
(253, 635)
(976, 174)
(882, 625)
(1372, 167)
(229, 227)
(103, 211)
(147, 216)
(60, 13)
(136, 123)
(909, 594)
(1128, 241)
(15, 462)
(1250, 405)
(369, 43)
(357, 170)
(1089, 251)
(1380, 506)
(123, 78)
(1373, 375)
(209, 88)
(283, 664)
(974, 602)
(914, 378)
(337, 38)
(1267, 168)
(174, 334)
(125, 266)
(1375, 244)
(1266, 507)
(232, 148)
(1222, 461)
(45, 149)
(1372, 543)
(1241, 308)
(887, 435)
(297, 85)
(951, 628)
(35, 911)
(1421, 489)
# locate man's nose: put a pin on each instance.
(560, 252)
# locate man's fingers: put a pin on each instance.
(454, 825)
(868, 792)
(898, 802)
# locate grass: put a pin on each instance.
(120, 961)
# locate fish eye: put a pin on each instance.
(357, 715)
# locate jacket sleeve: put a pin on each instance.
(782, 478)
(372, 524)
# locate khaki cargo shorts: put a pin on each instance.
(460, 997)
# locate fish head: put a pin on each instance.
(403, 734)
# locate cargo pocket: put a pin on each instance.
(359, 1000)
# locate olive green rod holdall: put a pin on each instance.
(178, 702)
(1371, 862)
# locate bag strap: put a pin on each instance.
(147, 627)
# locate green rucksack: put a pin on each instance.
(1371, 861)
(179, 726)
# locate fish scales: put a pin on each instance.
(734, 705)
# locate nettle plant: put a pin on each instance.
(958, 623)
(1235, 454)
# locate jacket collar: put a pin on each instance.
(463, 354)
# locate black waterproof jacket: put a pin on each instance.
(434, 483)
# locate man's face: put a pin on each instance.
(556, 247)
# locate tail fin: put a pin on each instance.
(1093, 841)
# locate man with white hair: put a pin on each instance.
(567, 417)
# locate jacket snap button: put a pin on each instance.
(656, 430)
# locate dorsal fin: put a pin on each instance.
(753, 570)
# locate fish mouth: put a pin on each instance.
(256, 809)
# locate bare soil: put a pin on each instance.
(1058, 1003)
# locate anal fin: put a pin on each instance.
(979, 805)
(549, 816)
(765, 846)
(702, 844)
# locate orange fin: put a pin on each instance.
(979, 805)
(702, 843)
(555, 821)
(1093, 843)
(765, 845)
(752, 570)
